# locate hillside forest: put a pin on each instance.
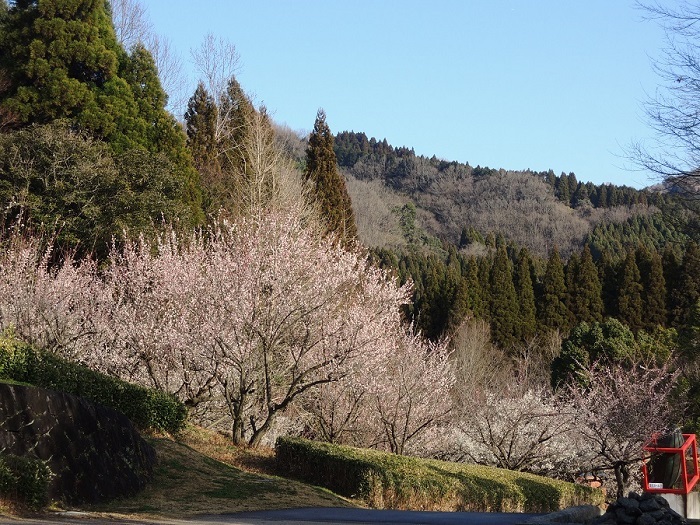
(330, 286)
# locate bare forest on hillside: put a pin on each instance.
(519, 205)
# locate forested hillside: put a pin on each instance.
(536, 210)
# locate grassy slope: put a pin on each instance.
(201, 473)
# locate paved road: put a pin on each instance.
(310, 516)
(366, 516)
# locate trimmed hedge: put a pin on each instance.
(147, 408)
(385, 480)
(24, 480)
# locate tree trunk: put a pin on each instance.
(622, 475)
(259, 433)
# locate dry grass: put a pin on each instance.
(200, 472)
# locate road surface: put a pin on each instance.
(310, 516)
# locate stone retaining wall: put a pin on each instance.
(94, 452)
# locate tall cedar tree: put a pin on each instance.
(484, 275)
(672, 268)
(653, 288)
(235, 119)
(504, 305)
(553, 313)
(331, 192)
(63, 63)
(688, 291)
(527, 324)
(608, 274)
(587, 294)
(570, 275)
(629, 298)
(218, 134)
(458, 292)
(200, 119)
(474, 287)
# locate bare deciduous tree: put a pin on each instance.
(672, 112)
(131, 23)
(618, 410)
(217, 62)
(520, 430)
(132, 26)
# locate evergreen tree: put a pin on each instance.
(563, 190)
(688, 284)
(158, 130)
(586, 298)
(553, 311)
(200, 120)
(571, 272)
(70, 181)
(629, 300)
(64, 63)
(235, 120)
(331, 192)
(672, 269)
(607, 342)
(63, 59)
(607, 272)
(504, 306)
(474, 287)
(484, 272)
(653, 288)
(527, 324)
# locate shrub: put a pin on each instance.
(400, 482)
(24, 480)
(147, 409)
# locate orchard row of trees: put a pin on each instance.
(247, 324)
(265, 326)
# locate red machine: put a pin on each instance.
(671, 464)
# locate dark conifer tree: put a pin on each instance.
(485, 264)
(200, 120)
(563, 189)
(608, 273)
(571, 272)
(63, 62)
(474, 287)
(527, 323)
(504, 307)
(688, 291)
(629, 300)
(331, 192)
(235, 114)
(553, 312)
(653, 288)
(587, 300)
(672, 268)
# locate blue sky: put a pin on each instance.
(509, 84)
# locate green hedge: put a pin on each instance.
(147, 408)
(385, 480)
(24, 480)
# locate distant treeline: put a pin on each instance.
(524, 296)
